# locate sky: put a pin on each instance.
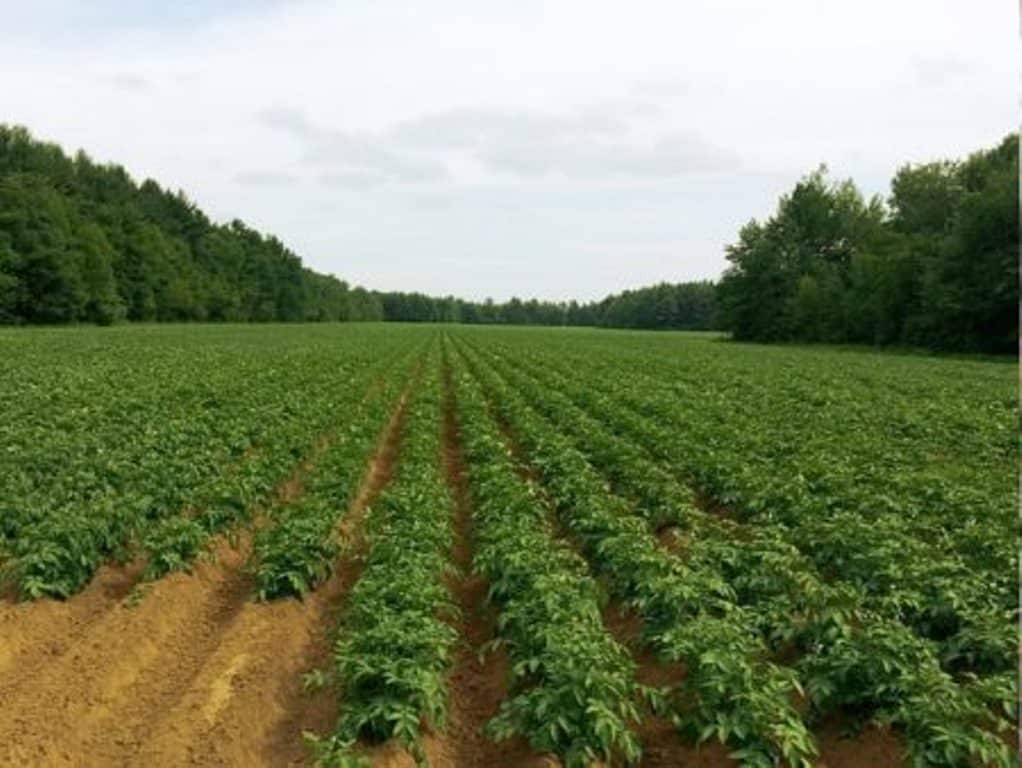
(558, 149)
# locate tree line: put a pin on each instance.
(936, 265)
(688, 306)
(83, 242)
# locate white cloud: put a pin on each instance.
(265, 179)
(128, 82)
(287, 121)
(359, 157)
(472, 128)
(675, 155)
(352, 179)
(593, 142)
(367, 154)
(940, 70)
(483, 149)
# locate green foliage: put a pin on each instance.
(84, 242)
(57, 558)
(173, 544)
(688, 609)
(395, 646)
(851, 550)
(573, 688)
(885, 670)
(153, 444)
(873, 504)
(938, 269)
(682, 305)
(296, 551)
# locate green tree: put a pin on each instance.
(103, 305)
(42, 274)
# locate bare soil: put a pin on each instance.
(477, 685)
(869, 747)
(662, 745)
(192, 673)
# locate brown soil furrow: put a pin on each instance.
(476, 685)
(50, 715)
(230, 713)
(193, 674)
(33, 633)
(662, 745)
(381, 468)
(247, 706)
(873, 745)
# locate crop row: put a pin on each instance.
(848, 656)
(573, 690)
(395, 643)
(927, 585)
(168, 457)
(187, 412)
(690, 614)
(926, 447)
(296, 549)
(284, 455)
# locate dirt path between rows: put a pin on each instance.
(195, 674)
(33, 633)
(248, 707)
(55, 711)
(663, 746)
(477, 685)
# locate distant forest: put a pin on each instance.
(688, 306)
(83, 242)
(936, 265)
(80, 241)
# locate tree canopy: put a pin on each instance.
(80, 241)
(690, 306)
(934, 265)
(937, 266)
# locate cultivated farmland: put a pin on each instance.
(469, 546)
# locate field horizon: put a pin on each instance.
(472, 545)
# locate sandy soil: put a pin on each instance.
(191, 672)
(477, 686)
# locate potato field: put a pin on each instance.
(390, 545)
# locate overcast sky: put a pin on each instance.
(559, 149)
